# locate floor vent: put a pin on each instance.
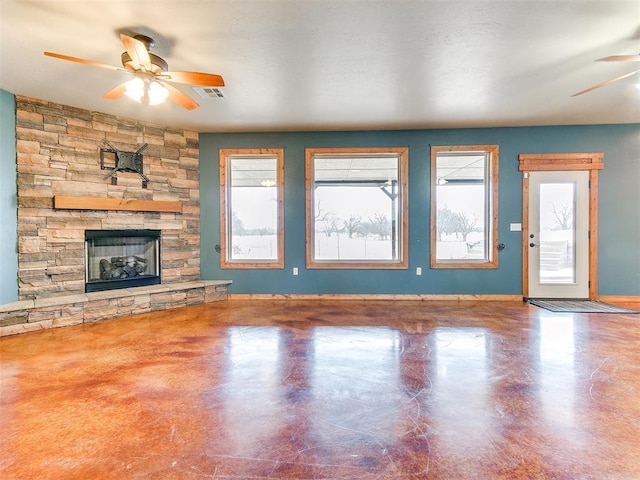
(209, 92)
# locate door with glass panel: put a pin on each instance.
(558, 243)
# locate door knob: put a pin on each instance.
(532, 244)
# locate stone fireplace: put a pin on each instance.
(58, 158)
(121, 258)
(66, 201)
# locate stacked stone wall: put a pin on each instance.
(58, 153)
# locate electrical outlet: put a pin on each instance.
(418, 270)
(295, 270)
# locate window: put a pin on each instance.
(464, 206)
(252, 208)
(356, 207)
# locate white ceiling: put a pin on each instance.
(339, 64)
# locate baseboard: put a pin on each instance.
(408, 297)
(619, 298)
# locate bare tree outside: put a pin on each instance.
(321, 214)
(352, 225)
(465, 224)
(460, 223)
(445, 220)
(380, 225)
(237, 225)
(563, 214)
(331, 225)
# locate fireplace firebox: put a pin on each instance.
(121, 259)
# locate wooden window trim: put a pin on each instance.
(492, 184)
(403, 157)
(528, 162)
(224, 154)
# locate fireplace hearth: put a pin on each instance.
(121, 259)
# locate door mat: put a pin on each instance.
(578, 306)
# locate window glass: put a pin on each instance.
(464, 206)
(251, 208)
(356, 208)
(556, 240)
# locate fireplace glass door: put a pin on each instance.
(121, 259)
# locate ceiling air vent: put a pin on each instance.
(209, 92)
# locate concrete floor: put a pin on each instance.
(326, 390)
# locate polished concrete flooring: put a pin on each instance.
(326, 390)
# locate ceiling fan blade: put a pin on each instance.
(116, 92)
(196, 78)
(180, 98)
(83, 61)
(603, 84)
(137, 51)
(620, 58)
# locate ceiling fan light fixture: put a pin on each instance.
(134, 89)
(157, 93)
(144, 91)
(148, 69)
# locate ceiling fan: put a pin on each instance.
(612, 58)
(151, 74)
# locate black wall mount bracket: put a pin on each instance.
(121, 161)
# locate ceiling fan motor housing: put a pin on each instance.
(158, 64)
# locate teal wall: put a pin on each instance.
(8, 200)
(619, 209)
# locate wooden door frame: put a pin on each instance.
(546, 162)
